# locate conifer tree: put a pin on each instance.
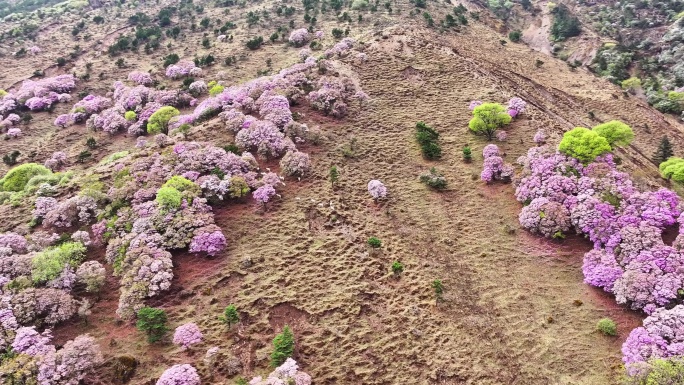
(664, 151)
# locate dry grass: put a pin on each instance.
(508, 315)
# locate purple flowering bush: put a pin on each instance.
(377, 189)
(187, 335)
(180, 375)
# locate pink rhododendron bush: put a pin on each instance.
(630, 259)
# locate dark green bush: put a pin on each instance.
(255, 43)
(283, 347)
(374, 242)
(152, 322)
(427, 138)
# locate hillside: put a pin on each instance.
(514, 309)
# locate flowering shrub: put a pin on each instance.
(662, 336)
(141, 78)
(548, 218)
(516, 106)
(179, 375)
(295, 163)
(299, 37)
(187, 335)
(264, 194)
(57, 161)
(182, 69)
(209, 240)
(494, 167)
(377, 190)
(92, 275)
(287, 373)
(540, 137)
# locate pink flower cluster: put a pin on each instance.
(38, 95)
(299, 37)
(68, 365)
(56, 161)
(184, 374)
(182, 69)
(209, 240)
(287, 373)
(141, 78)
(187, 335)
(377, 189)
(494, 167)
(516, 106)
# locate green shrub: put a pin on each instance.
(583, 144)
(152, 322)
(168, 198)
(467, 153)
(515, 36)
(664, 151)
(334, 175)
(255, 43)
(673, 169)
(615, 132)
(114, 157)
(182, 184)
(130, 115)
(230, 315)
(49, 263)
(487, 118)
(660, 371)
(11, 158)
(397, 268)
(434, 179)
(283, 347)
(216, 89)
(439, 288)
(16, 178)
(427, 138)
(607, 326)
(565, 24)
(159, 121)
(374, 242)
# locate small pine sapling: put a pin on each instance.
(439, 289)
(283, 347)
(467, 154)
(334, 176)
(230, 316)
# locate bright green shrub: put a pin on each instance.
(130, 115)
(615, 132)
(216, 89)
(49, 263)
(673, 169)
(169, 198)
(17, 178)
(182, 184)
(114, 157)
(583, 144)
(283, 347)
(487, 118)
(159, 121)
